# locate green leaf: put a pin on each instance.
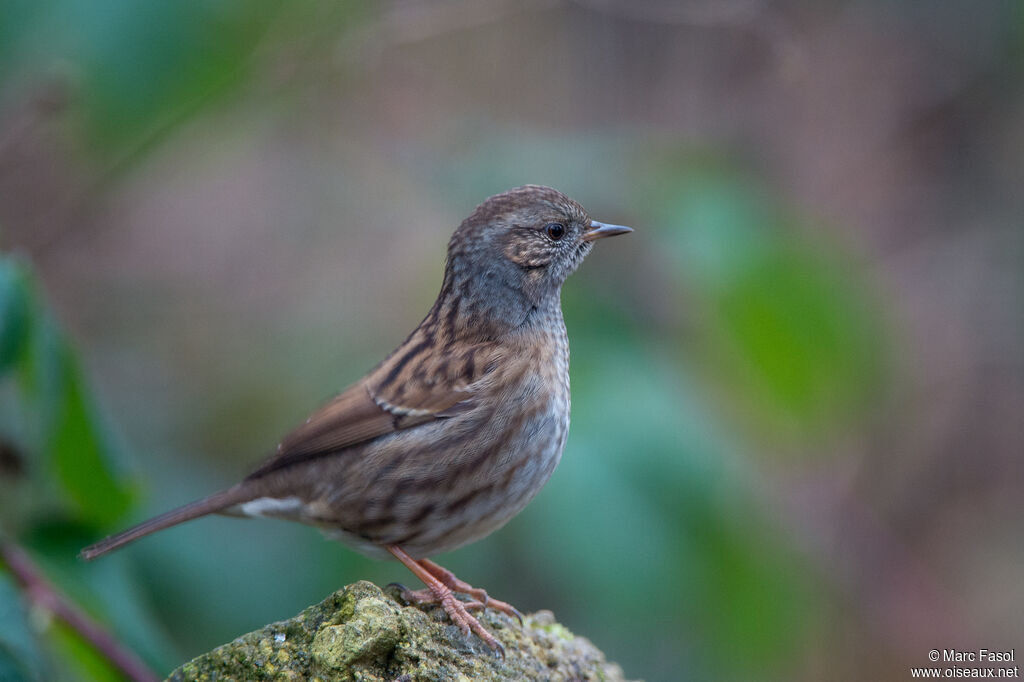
(80, 454)
(800, 338)
(785, 320)
(139, 68)
(59, 428)
(182, 53)
(14, 313)
(79, 658)
(756, 601)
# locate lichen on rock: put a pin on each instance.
(363, 634)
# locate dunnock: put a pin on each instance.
(455, 431)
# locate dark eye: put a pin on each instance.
(555, 231)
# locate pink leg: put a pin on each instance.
(455, 585)
(439, 592)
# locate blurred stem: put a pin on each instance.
(43, 595)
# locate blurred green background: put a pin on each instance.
(798, 388)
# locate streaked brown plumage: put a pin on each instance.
(455, 431)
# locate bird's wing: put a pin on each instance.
(413, 386)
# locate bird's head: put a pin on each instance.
(530, 239)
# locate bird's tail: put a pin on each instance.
(208, 505)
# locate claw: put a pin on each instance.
(515, 612)
(441, 584)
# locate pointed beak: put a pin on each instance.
(601, 230)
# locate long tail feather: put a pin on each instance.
(208, 505)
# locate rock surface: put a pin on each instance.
(362, 633)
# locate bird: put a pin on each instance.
(455, 431)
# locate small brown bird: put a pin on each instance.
(455, 431)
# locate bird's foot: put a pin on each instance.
(480, 596)
(457, 610)
(427, 596)
(441, 586)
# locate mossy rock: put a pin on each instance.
(362, 633)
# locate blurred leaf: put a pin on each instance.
(182, 52)
(785, 322)
(66, 437)
(14, 317)
(136, 67)
(799, 336)
(40, 375)
(754, 600)
(81, 456)
(20, 658)
(71, 479)
(79, 659)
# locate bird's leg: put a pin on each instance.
(442, 594)
(480, 595)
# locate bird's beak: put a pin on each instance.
(601, 230)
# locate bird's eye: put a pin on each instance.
(555, 231)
